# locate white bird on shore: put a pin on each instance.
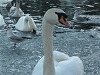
(1, 20)
(54, 62)
(26, 24)
(16, 11)
(14, 37)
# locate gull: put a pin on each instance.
(78, 18)
(14, 37)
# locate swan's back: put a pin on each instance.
(25, 23)
(71, 66)
(38, 69)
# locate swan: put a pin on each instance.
(1, 20)
(26, 23)
(55, 62)
(16, 11)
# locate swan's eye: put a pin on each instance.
(61, 14)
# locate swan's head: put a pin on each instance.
(54, 16)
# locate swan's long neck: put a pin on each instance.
(17, 12)
(17, 3)
(48, 66)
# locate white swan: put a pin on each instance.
(1, 20)
(54, 62)
(26, 23)
(16, 11)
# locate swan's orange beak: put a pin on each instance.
(64, 21)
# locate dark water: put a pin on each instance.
(21, 61)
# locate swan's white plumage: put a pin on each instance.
(54, 62)
(25, 23)
(67, 65)
(15, 11)
(1, 20)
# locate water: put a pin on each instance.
(21, 61)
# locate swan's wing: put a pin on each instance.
(32, 24)
(20, 24)
(59, 56)
(38, 69)
(72, 66)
